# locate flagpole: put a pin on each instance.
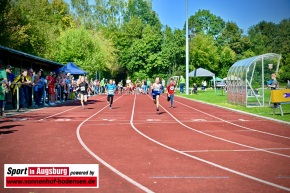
(187, 57)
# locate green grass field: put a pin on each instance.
(210, 96)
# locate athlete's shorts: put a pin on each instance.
(51, 90)
(84, 93)
(155, 93)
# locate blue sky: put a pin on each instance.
(245, 13)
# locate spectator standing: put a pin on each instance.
(10, 79)
(103, 85)
(28, 87)
(274, 85)
(3, 92)
(163, 85)
(40, 84)
(19, 82)
(9, 74)
(143, 87)
(182, 84)
(51, 81)
(35, 88)
(148, 82)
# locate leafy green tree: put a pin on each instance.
(82, 11)
(232, 36)
(91, 52)
(110, 13)
(270, 37)
(262, 36)
(205, 22)
(143, 10)
(172, 51)
(227, 59)
(14, 30)
(282, 46)
(32, 25)
(143, 54)
(204, 53)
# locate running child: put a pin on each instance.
(120, 87)
(83, 90)
(156, 90)
(170, 92)
(110, 90)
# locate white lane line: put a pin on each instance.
(203, 160)
(58, 113)
(222, 139)
(62, 111)
(247, 128)
(101, 160)
(189, 177)
(223, 131)
(232, 150)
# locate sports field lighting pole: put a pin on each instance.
(187, 68)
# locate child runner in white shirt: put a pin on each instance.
(156, 90)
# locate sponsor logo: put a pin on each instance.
(286, 95)
(51, 175)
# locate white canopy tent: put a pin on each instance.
(201, 72)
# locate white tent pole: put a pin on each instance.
(187, 67)
(263, 89)
(214, 83)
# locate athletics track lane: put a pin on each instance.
(171, 172)
(160, 160)
(26, 140)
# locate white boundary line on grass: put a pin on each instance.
(203, 160)
(101, 160)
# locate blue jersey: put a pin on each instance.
(111, 89)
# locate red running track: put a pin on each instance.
(191, 148)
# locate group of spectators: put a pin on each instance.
(31, 89)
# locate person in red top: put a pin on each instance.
(170, 92)
(51, 80)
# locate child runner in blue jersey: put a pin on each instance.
(110, 89)
(156, 90)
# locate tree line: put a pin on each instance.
(121, 38)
